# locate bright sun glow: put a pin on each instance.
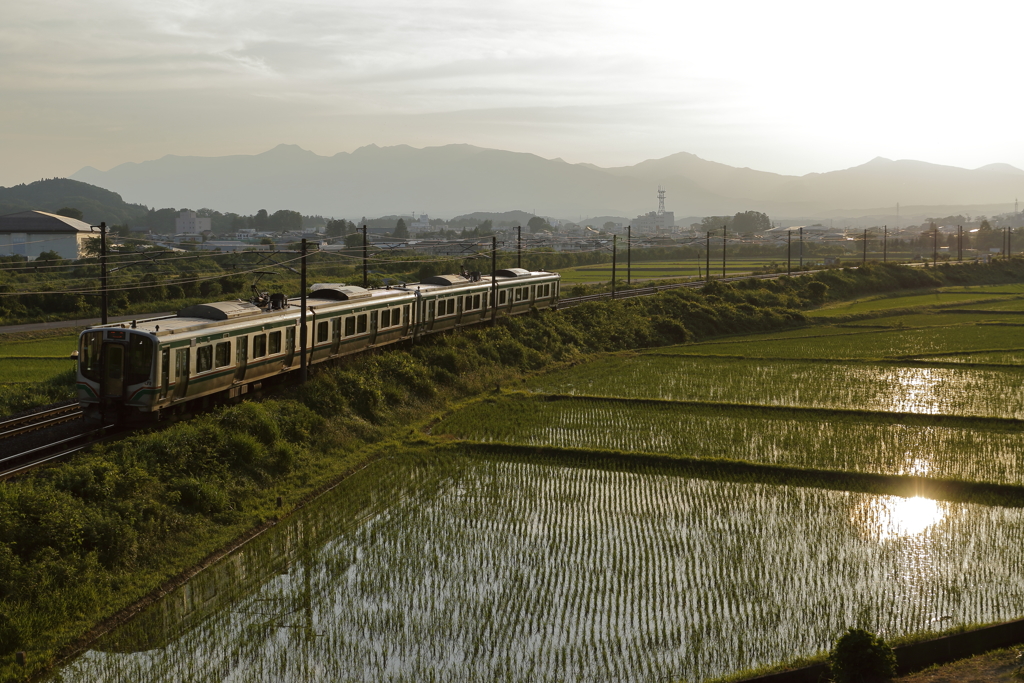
(891, 517)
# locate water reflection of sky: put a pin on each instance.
(916, 390)
(885, 518)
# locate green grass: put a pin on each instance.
(656, 270)
(478, 568)
(59, 346)
(880, 344)
(967, 450)
(990, 392)
(18, 370)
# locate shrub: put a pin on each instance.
(859, 656)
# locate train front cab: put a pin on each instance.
(115, 372)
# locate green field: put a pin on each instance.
(483, 569)
(988, 392)
(36, 371)
(18, 370)
(47, 347)
(881, 344)
(971, 450)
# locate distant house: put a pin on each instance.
(30, 233)
(188, 223)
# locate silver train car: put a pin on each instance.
(208, 352)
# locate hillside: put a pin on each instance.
(461, 179)
(54, 194)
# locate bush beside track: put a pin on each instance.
(83, 540)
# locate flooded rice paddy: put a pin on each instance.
(433, 567)
(989, 392)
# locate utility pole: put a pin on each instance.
(366, 281)
(801, 248)
(519, 246)
(864, 260)
(885, 243)
(789, 252)
(615, 243)
(707, 258)
(1009, 249)
(959, 243)
(303, 370)
(724, 229)
(494, 280)
(935, 246)
(629, 254)
(103, 272)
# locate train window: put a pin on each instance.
(385, 318)
(519, 293)
(501, 297)
(430, 310)
(259, 346)
(405, 315)
(361, 323)
(274, 341)
(350, 326)
(89, 355)
(476, 301)
(140, 358)
(321, 332)
(222, 354)
(469, 303)
(451, 306)
(204, 358)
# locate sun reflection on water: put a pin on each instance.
(891, 517)
(919, 389)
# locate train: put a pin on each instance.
(151, 368)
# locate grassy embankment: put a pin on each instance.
(36, 369)
(83, 540)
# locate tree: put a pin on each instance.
(339, 228)
(261, 221)
(713, 223)
(70, 212)
(608, 226)
(861, 656)
(354, 240)
(537, 224)
(49, 256)
(285, 221)
(751, 222)
(401, 231)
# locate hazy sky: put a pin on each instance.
(784, 86)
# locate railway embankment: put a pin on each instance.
(85, 540)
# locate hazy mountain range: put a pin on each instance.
(457, 179)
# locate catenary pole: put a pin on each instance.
(494, 280)
(303, 370)
(707, 258)
(789, 252)
(724, 229)
(801, 248)
(519, 246)
(366, 259)
(629, 254)
(615, 248)
(885, 243)
(103, 272)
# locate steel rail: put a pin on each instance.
(46, 418)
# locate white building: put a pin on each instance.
(30, 233)
(654, 222)
(188, 223)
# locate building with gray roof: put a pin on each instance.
(30, 233)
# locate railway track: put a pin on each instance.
(648, 291)
(51, 417)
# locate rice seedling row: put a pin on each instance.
(988, 392)
(503, 570)
(970, 452)
(896, 343)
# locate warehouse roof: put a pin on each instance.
(40, 221)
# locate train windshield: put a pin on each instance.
(140, 358)
(89, 355)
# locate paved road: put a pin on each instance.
(84, 322)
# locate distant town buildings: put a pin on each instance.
(188, 223)
(660, 221)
